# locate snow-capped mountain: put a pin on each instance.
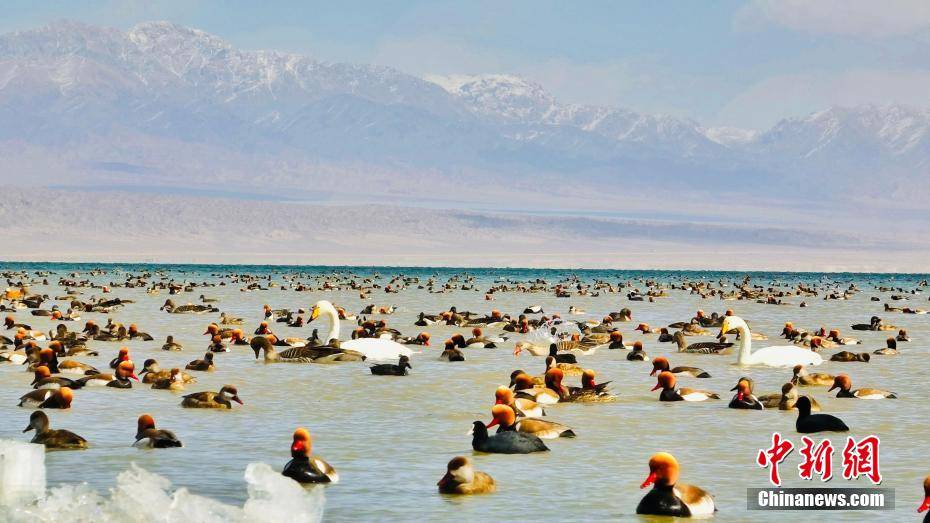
(87, 105)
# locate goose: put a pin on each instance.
(51, 438)
(670, 498)
(304, 354)
(532, 348)
(776, 356)
(373, 348)
(461, 478)
(704, 347)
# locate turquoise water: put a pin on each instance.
(390, 438)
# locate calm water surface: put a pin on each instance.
(390, 438)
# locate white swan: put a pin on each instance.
(372, 348)
(780, 356)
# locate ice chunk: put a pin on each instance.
(143, 497)
(273, 497)
(22, 472)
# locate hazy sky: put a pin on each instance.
(739, 63)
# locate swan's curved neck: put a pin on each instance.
(745, 342)
(332, 320)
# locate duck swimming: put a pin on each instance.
(147, 436)
(122, 356)
(47, 399)
(506, 419)
(461, 478)
(509, 442)
(389, 369)
(666, 381)
(173, 381)
(668, 497)
(891, 348)
(204, 365)
(525, 386)
(53, 439)
(305, 467)
(590, 391)
(637, 354)
(43, 379)
(803, 378)
(788, 355)
(212, 400)
(172, 345)
(521, 406)
(808, 423)
(847, 356)
(661, 363)
(134, 333)
(152, 372)
(844, 384)
(789, 398)
(744, 399)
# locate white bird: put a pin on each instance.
(778, 356)
(372, 348)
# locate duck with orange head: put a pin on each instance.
(305, 467)
(670, 498)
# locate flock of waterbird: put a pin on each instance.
(518, 412)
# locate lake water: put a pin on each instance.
(390, 438)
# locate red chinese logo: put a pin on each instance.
(861, 459)
(816, 460)
(773, 456)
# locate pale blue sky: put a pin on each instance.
(740, 63)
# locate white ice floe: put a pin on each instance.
(141, 496)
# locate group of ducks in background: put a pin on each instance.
(517, 410)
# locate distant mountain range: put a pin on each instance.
(167, 109)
